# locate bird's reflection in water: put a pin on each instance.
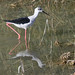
(29, 56)
(15, 47)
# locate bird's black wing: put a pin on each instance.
(19, 20)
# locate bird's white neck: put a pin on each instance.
(35, 14)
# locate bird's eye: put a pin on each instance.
(40, 9)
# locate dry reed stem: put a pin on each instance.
(44, 32)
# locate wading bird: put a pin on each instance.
(24, 23)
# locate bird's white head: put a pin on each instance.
(39, 9)
(36, 12)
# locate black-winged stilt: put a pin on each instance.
(24, 22)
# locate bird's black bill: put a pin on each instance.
(45, 13)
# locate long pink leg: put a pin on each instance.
(13, 30)
(17, 34)
(25, 39)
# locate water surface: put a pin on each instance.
(60, 29)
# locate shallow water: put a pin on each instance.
(60, 29)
